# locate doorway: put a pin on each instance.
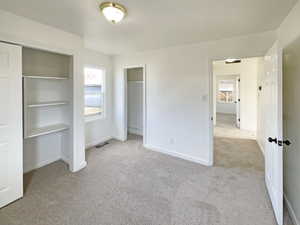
(255, 143)
(227, 100)
(135, 103)
(235, 102)
(235, 106)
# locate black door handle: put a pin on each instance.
(272, 140)
(286, 142)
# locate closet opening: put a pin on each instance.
(47, 108)
(135, 103)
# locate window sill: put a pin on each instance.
(90, 118)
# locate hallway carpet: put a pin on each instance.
(234, 147)
(126, 184)
(226, 127)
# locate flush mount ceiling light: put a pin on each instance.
(113, 12)
(229, 61)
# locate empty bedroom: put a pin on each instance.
(149, 112)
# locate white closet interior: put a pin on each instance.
(135, 85)
(48, 109)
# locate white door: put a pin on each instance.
(237, 101)
(11, 143)
(272, 89)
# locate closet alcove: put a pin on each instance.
(47, 107)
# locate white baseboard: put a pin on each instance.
(97, 142)
(82, 165)
(136, 131)
(65, 159)
(119, 138)
(178, 155)
(261, 147)
(28, 168)
(291, 211)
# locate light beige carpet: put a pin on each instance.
(226, 127)
(126, 184)
(235, 148)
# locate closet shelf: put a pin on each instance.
(46, 77)
(46, 104)
(47, 130)
(93, 85)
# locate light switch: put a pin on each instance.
(204, 98)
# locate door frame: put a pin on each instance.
(125, 100)
(238, 101)
(211, 114)
(237, 75)
(211, 95)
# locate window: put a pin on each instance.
(226, 91)
(94, 91)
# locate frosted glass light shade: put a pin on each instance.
(113, 12)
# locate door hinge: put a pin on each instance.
(239, 120)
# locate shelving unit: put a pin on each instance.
(46, 77)
(47, 103)
(47, 130)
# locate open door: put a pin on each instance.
(272, 88)
(237, 101)
(11, 156)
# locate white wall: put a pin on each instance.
(178, 92)
(135, 107)
(26, 32)
(247, 71)
(98, 130)
(289, 37)
(229, 108)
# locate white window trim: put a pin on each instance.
(102, 116)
